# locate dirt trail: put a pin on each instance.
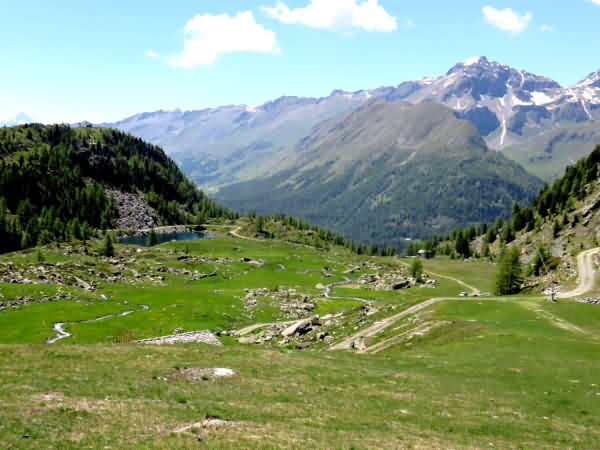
(558, 322)
(587, 274)
(473, 289)
(381, 325)
(235, 231)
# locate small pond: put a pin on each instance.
(164, 237)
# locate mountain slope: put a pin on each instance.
(53, 182)
(548, 154)
(390, 170)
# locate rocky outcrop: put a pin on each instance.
(134, 212)
(204, 337)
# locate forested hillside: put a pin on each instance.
(387, 171)
(546, 235)
(53, 181)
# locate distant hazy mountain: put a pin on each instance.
(219, 146)
(387, 170)
(19, 119)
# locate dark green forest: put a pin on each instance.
(552, 205)
(53, 181)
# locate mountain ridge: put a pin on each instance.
(223, 145)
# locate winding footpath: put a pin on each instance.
(587, 274)
(62, 334)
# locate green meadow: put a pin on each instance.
(510, 372)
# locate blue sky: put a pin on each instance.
(105, 60)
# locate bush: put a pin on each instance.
(108, 249)
(416, 269)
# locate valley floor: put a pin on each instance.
(475, 372)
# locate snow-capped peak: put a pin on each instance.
(474, 60)
(592, 80)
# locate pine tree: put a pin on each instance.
(108, 249)
(509, 276)
(152, 238)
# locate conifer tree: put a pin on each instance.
(108, 249)
(509, 276)
(152, 238)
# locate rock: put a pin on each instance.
(401, 285)
(303, 345)
(301, 327)
(322, 335)
(205, 337)
(178, 330)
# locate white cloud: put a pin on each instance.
(548, 28)
(410, 24)
(208, 36)
(336, 15)
(507, 19)
(151, 53)
(595, 2)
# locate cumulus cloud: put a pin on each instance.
(595, 2)
(507, 19)
(151, 53)
(336, 15)
(207, 36)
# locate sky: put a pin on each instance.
(69, 61)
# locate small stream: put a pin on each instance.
(327, 292)
(62, 334)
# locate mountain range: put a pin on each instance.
(377, 165)
(219, 146)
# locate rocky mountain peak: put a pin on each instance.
(592, 80)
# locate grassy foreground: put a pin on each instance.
(515, 372)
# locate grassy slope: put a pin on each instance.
(500, 372)
(548, 154)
